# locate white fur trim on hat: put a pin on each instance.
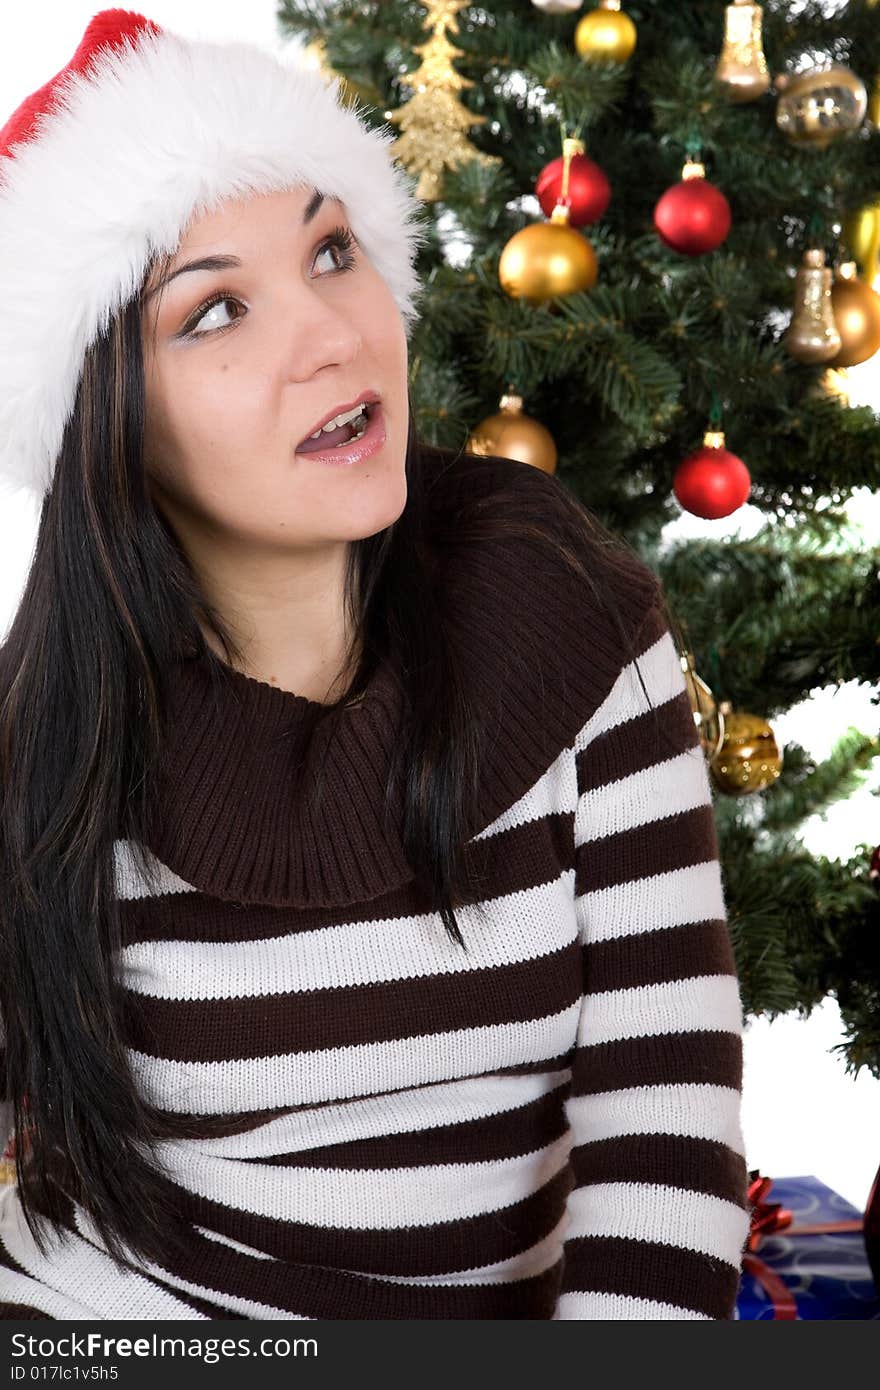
(152, 135)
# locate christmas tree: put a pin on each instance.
(652, 263)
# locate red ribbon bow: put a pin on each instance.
(767, 1217)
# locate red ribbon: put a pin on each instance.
(766, 1218)
(776, 1289)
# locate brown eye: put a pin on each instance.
(206, 312)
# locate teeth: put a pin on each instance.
(339, 420)
(354, 438)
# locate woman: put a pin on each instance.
(364, 950)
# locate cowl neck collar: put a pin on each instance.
(231, 817)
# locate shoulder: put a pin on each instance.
(539, 537)
(455, 478)
(544, 606)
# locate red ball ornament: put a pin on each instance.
(712, 482)
(589, 191)
(692, 216)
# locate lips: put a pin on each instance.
(365, 398)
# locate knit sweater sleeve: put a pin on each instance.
(658, 1213)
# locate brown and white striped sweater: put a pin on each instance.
(544, 1126)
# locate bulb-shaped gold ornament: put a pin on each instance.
(742, 68)
(812, 335)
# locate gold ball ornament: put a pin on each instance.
(510, 433)
(857, 315)
(821, 105)
(606, 33)
(748, 759)
(861, 232)
(547, 259)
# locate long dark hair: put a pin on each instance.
(109, 602)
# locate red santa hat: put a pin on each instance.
(104, 166)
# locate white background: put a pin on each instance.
(801, 1112)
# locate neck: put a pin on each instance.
(321, 678)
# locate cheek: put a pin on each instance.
(390, 351)
(197, 413)
(380, 319)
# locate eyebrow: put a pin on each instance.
(310, 211)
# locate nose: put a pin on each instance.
(322, 332)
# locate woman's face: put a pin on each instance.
(232, 389)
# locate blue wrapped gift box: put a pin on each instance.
(802, 1274)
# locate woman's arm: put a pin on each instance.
(658, 1213)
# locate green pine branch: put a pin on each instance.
(627, 376)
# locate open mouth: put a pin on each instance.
(343, 434)
(356, 441)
